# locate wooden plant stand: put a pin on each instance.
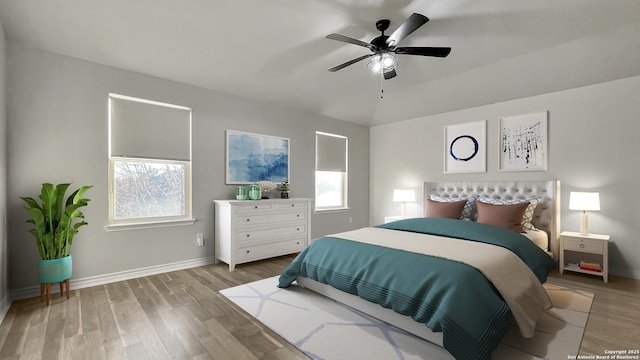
(45, 289)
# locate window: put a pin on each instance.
(149, 163)
(331, 172)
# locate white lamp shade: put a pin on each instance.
(404, 195)
(585, 201)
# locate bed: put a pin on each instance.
(461, 278)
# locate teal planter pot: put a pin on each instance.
(55, 270)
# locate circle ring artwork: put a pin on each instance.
(464, 138)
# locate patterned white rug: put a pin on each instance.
(325, 329)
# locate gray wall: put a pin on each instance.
(593, 145)
(57, 129)
(4, 298)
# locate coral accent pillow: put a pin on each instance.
(505, 216)
(448, 210)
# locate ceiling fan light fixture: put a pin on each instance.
(382, 63)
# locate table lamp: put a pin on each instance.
(584, 201)
(403, 196)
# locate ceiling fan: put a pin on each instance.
(382, 47)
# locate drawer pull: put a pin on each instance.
(255, 207)
(292, 205)
(298, 229)
(298, 215)
(247, 251)
(247, 235)
(582, 246)
(248, 220)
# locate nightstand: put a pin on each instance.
(388, 219)
(593, 248)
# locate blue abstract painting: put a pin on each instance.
(523, 142)
(255, 157)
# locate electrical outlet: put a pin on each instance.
(350, 219)
(200, 239)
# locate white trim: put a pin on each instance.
(148, 225)
(5, 304)
(32, 291)
(152, 102)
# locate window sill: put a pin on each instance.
(325, 211)
(148, 225)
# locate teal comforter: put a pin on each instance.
(447, 296)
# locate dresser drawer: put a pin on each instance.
(272, 249)
(245, 237)
(291, 205)
(254, 207)
(248, 220)
(586, 245)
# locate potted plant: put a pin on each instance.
(284, 189)
(56, 224)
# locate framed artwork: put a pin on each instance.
(465, 148)
(255, 157)
(523, 142)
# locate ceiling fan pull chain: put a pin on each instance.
(381, 85)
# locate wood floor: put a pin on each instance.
(181, 315)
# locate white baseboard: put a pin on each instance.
(32, 291)
(5, 304)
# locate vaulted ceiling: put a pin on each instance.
(276, 51)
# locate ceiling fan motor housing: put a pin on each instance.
(383, 24)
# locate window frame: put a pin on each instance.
(149, 219)
(344, 177)
(148, 222)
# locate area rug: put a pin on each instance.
(325, 329)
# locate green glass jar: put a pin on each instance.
(254, 192)
(241, 193)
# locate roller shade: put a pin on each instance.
(143, 129)
(331, 152)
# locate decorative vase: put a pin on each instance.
(54, 270)
(241, 193)
(284, 195)
(254, 192)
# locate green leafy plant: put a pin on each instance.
(284, 186)
(56, 221)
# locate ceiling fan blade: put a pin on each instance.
(390, 74)
(424, 51)
(349, 40)
(410, 25)
(350, 62)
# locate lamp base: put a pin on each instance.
(584, 224)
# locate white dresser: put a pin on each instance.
(250, 230)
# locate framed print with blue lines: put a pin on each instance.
(523, 142)
(465, 148)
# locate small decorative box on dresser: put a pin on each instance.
(587, 254)
(248, 230)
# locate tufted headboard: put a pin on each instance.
(546, 216)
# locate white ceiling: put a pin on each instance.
(276, 51)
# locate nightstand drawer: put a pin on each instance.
(577, 244)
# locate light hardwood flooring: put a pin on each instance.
(181, 315)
